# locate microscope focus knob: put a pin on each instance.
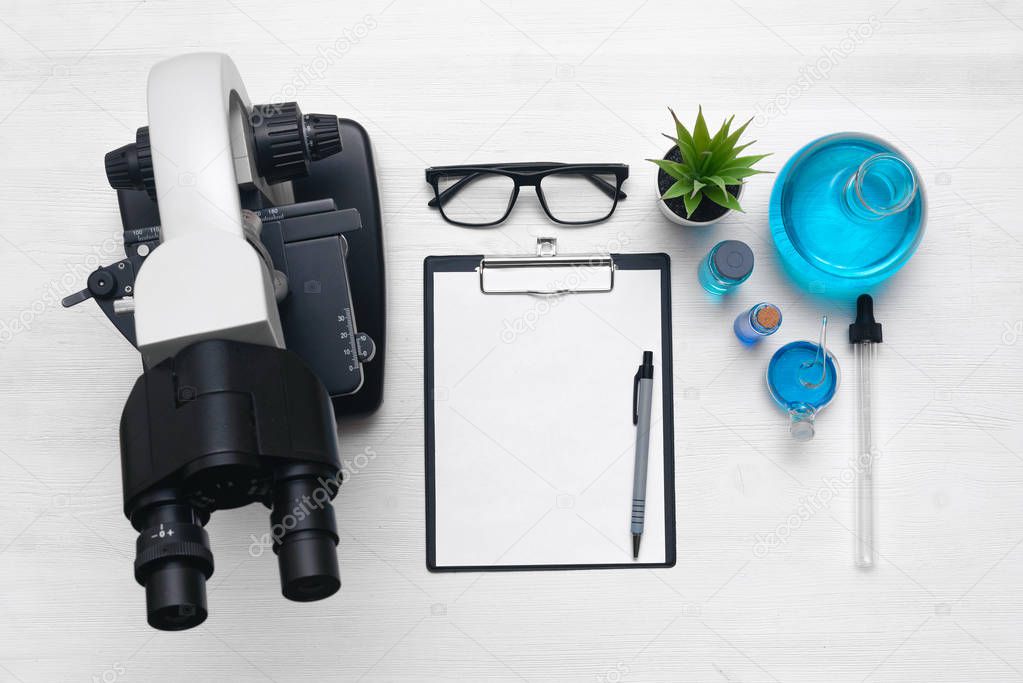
(131, 167)
(279, 136)
(122, 166)
(323, 135)
(145, 156)
(286, 141)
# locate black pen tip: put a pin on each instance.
(635, 546)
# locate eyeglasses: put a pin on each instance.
(482, 195)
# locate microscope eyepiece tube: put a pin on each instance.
(173, 562)
(304, 533)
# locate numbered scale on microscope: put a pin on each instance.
(360, 348)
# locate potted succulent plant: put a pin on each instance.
(701, 177)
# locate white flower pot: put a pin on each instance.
(682, 220)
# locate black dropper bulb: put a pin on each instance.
(865, 328)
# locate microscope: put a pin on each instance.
(253, 288)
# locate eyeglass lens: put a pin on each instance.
(579, 198)
(474, 197)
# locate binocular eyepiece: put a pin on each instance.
(220, 425)
(173, 557)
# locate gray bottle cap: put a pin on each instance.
(733, 259)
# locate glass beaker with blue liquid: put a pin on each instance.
(847, 211)
(803, 378)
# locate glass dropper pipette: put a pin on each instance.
(865, 335)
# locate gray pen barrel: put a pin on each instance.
(643, 408)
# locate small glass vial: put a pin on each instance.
(725, 267)
(758, 322)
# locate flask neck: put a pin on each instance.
(883, 185)
(801, 418)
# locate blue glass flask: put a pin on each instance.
(802, 380)
(847, 211)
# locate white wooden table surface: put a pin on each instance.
(492, 80)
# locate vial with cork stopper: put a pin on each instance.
(757, 322)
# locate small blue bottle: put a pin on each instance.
(757, 322)
(725, 267)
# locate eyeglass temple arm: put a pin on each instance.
(604, 186)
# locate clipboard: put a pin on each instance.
(530, 446)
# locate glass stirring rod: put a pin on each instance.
(819, 358)
(865, 335)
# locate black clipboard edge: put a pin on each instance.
(431, 265)
(469, 263)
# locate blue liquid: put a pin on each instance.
(829, 239)
(786, 374)
(711, 280)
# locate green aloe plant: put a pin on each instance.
(709, 164)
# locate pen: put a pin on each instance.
(642, 396)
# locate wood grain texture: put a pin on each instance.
(445, 82)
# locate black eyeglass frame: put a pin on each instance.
(527, 174)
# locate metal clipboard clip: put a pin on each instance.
(546, 273)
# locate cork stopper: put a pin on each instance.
(768, 317)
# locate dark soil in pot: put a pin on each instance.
(706, 211)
